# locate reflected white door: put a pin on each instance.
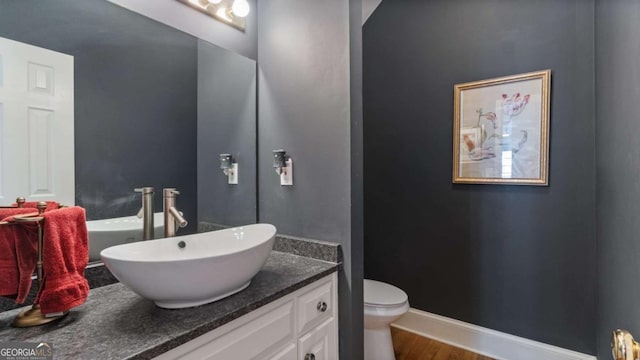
(36, 124)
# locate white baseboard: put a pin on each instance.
(482, 341)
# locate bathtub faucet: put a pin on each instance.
(146, 212)
(172, 216)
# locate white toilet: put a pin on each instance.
(383, 304)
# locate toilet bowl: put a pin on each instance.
(383, 304)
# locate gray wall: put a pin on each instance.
(353, 330)
(617, 93)
(518, 259)
(135, 99)
(304, 108)
(226, 124)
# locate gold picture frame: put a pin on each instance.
(501, 130)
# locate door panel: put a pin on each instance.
(36, 124)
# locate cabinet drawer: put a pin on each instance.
(319, 344)
(314, 307)
(263, 334)
(288, 353)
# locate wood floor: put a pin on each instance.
(409, 346)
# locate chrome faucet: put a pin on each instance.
(172, 216)
(146, 212)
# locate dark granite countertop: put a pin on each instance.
(116, 323)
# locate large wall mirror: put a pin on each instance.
(153, 106)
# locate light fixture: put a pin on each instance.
(202, 4)
(230, 168)
(230, 12)
(284, 167)
(223, 14)
(240, 8)
(279, 160)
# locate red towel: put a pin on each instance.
(66, 254)
(6, 212)
(18, 255)
(51, 205)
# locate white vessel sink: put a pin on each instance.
(192, 270)
(105, 233)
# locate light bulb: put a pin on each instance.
(222, 14)
(240, 8)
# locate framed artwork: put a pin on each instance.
(501, 130)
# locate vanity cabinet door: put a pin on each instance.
(315, 306)
(319, 343)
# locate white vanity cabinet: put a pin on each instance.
(302, 325)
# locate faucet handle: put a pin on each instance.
(144, 190)
(170, 192)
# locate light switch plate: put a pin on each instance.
(286, 178)
(233, 174)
